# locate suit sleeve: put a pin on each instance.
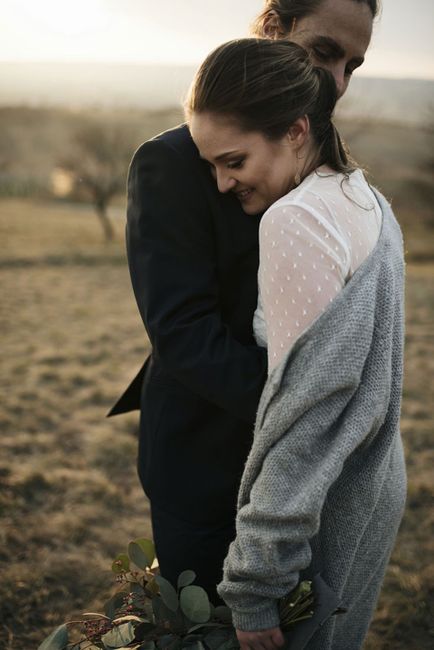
(172, 261)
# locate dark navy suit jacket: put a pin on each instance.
(193, 259)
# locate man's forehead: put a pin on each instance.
(339, 16)
(350, 35)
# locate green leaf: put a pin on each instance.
(121, 563)
(149, 645)
(223, 614)
(193, 645)
(168, 593)
(148, 549)
(135, 588)
(216, 638)
(195, 604)
(58, 639)
(161, 612)
(143, 629)
(201, 626)
(230, 644)
(119, 636)
(186, 578)
(137, 555)
(166, 641)
(114, 604)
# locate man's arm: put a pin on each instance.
(172, 260)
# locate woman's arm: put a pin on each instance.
(302, 268)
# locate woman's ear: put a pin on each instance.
(272, 27)
(298, 132)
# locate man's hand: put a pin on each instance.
(262, 640)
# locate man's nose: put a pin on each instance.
(338, 72)
(225, 182)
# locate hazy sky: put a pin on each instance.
(184, 31)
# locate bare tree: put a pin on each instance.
(98, 162)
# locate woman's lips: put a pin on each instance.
(243, 195)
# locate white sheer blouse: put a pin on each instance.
(311, 241)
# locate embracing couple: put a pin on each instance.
(269, 276)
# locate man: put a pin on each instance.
(193, 258)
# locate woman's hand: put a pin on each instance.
(262, 640)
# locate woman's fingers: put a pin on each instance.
(271, 639)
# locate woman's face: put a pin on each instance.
(257, 170)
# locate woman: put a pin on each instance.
(324, 485)
(193, 259)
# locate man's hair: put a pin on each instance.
(287, 10)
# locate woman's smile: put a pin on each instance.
(243, 195)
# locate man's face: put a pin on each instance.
(336, 36)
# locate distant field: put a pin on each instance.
(70, 499)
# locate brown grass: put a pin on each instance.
(70, 499)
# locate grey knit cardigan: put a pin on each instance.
(324, 485)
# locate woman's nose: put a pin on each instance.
(225, 182)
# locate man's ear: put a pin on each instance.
(272, 27)
(298, 132)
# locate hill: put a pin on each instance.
(154, 87)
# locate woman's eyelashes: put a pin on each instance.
(235, 164)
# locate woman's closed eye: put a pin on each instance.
(236, 164)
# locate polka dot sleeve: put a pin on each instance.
(304, 263)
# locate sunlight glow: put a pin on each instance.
(68, 18)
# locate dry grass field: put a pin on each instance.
(69, 496)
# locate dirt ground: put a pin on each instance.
(70, 499)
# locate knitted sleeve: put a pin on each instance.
(281, 516)
(315, 420)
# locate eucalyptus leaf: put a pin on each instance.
(217, 637)
(201, 626)
(119, 636)
(148, 549)
(162, 613)
(166, 641)
(168, 593)
(186, 578)
(143, 630)
(135, 588)
(230, 644)
(58, 639)
(137, 555)
(129, 617)
(149, 645)
(121, 563)
(195, 604)
(114, 604)
(223, 614)
(194, 645)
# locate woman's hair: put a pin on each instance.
(287, 10)
(265, 86)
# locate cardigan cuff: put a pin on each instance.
(254, 621)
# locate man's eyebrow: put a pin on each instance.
(330, 43)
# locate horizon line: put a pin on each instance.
(360, 74)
